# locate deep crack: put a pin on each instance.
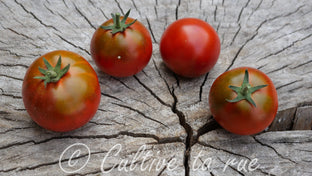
(188, 130)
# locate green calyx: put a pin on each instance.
(244, 92)
(119, 25)
(52, 74)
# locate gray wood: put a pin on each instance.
(167, 113)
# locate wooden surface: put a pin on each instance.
(156, 109)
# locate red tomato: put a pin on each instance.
(190, 47)
(61, 99)
(122, 49)
(243, 101)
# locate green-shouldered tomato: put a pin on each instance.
(243, 101)
(61, 91)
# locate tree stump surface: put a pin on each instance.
(157, 123)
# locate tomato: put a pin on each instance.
(121, 48)
(61, 91)
(243, 101)
(190, 47)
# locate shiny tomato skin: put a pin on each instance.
(124, 53)
(242, 117)
(67, 104)
(190, 47)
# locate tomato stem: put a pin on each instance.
(119, 25)
(52, 74)
(117, 20)
(244, 92)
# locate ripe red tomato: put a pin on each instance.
(121, 48)
(243, 101)
(61, 91)
(190, 47)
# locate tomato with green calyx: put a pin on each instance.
(61, 91)
(243, 101)
(190, 47)
(121, 46)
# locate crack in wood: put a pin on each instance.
(119, 6)
(11, 77)
(231, 153)
(99, 123)
(105, 16)
(202, 86)
(111, 96)
(209, 126)
(65, 4)
(123, 83)
(262, 66)
(19, 169)
(189, 131)
(261, 24)
(175, 76)
(12, 53)
(17, 33)
(241, 11)
(293, 32)
(217, 30)
(142, 102)
(7, 6)
(165, 167)
(285, 85)
(215, 13)
(272, 3)
(222, 150)
(304, 104)
(278, 69)
(135, 6)
(61, 136)
(177, 10)
(35, 17)
(169, 140)
(295, 89)
(141, 113)
(151, 92)
(155, 9)
(241, 48)
(4, 116)
(84, 16)
(70, 23)
(285, 48)
(275, 151)
(14, 129)
(15, 65)
(236, 33)
(143, 71)
(161, 76)
(150, 29)
(50, 10)
(303, 64)
(72, 44)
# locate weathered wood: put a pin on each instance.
(167, 113)
(271, 153)
(303, 119)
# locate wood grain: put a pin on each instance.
(167, 113)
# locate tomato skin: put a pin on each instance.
(242, 117)
(124, 53)
(67, 104)
(190, 47)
